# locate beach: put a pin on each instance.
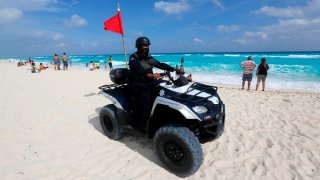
(50, 129)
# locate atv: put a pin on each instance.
(197, 115)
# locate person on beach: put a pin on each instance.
(105, 65)
(56, 61)
(91, 66)
(97, 65)
(261, 73)
(42, 67)
(110, 63)
(143, 80)
(65, 61)
(59, 62)
(248, 67)
(33, 68)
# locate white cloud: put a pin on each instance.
(57, 37)
(299, 22)
(33, 5)
(62, 45)
(281, 12)
(311, 9)
(228, 29)
(74, 2)
(38, 34)
(199, 41)
(298, 28)
(172, 7)
(295, 23)
(75, 21)
(258, 34)
(218, 4)
(242, 41)
(9, 15)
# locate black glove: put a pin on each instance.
(177, 70)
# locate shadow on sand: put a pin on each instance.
(133, 139)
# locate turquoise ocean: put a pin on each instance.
(288, 70)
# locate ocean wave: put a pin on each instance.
(118, 63)
(80, 56)
(40, 57)
(295, 56)
(272, 82)
(216, 67)
(75, 60)
(232, 55)
(292, 68)
(209, 55)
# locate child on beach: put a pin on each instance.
(34, 68)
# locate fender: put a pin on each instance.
(112, 99)
(183, 109)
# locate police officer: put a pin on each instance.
(143, 80)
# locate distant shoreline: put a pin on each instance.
(120, 54)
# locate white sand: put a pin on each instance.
(49, 129)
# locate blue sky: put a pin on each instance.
(45, 27)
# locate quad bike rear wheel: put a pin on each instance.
(110, 124)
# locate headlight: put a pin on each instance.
(200, 109)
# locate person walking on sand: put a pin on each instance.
(110, 62)
(248, 67)
(262, 73)
(65, 61)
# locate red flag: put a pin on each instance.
(114, 24)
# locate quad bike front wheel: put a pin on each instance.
(110, 124)
(178, 149)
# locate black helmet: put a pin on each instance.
(142, 40)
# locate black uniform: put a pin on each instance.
(142, 87)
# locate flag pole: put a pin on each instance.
(125, 53)
(124, 46)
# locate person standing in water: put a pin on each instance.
(261, 73)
